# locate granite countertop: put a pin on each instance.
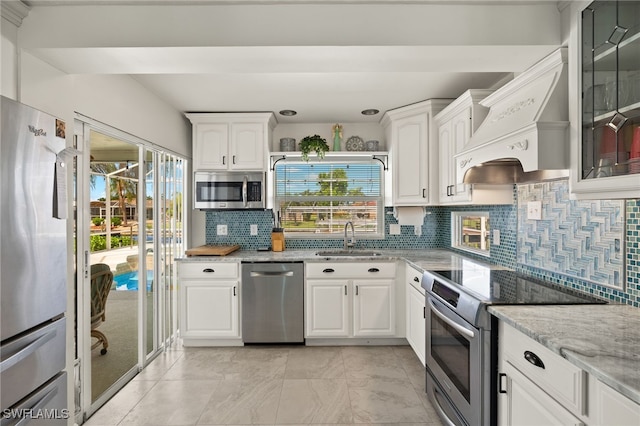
(603, 340)
(424, 259)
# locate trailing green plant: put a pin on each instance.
(313, 143)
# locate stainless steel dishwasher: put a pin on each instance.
(272, 302)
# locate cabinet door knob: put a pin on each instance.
(328, 270)
(533, 359)
(208, 270)
(374, 270)
(415, 279)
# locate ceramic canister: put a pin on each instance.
(287, 144)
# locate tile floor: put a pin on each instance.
(274, 385)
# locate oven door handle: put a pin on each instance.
(460, 329)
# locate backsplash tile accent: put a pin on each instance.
(582, 239)
(436, 234)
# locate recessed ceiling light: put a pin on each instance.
(370, 111)
(288, 112)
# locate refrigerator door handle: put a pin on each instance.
(26, 351)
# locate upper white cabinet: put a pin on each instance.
(604, 98)
(456, 124)
(231, 141)
(413, 149)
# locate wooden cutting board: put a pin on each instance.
(211, 250)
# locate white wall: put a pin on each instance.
(8, 59)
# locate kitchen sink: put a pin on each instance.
(348, 253)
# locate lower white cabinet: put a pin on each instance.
(524, 403)
(415, 309)
(350, 300)
(539, 387)
(609, 407)
(209, 304)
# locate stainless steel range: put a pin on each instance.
(461, 336)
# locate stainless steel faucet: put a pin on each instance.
(349, 243)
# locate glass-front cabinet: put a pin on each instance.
(610, 85)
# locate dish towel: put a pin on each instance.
(413, 216)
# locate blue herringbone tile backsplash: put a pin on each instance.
(523, 246)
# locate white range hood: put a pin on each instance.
(525, 136)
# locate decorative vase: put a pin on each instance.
(337, 137)
(287, 144)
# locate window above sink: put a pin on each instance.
(316, 199)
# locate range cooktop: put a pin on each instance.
(470, 290)
(505, 287)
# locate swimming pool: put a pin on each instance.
(129, 280)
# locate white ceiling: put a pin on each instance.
(327, 60)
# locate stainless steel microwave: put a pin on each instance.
(229, 190)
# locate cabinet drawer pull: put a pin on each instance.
(416, 279)
(224, 160)
(234, 290)
(208, 270)
(423, 190)
(328, 270)
(356, 290)
(345, 290)
(233, 159)
(374, 270)
(424, 312)
(533, 359)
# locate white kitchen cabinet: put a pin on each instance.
(554, 391)
(456, 124)
(350, 300)
(327, 308)
(413, 142)
(230, 141)
(524, 403)
(556, 377)
(209, 303)
(374, 312)
(415, 310)
(609, 407)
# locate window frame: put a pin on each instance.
(457, 235)
(380, 198)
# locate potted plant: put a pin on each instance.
(313, 143)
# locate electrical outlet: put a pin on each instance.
(394, 229)
(254, 229)
(496, 237)
(534, 210)
(222, 229)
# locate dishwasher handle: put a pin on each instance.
(271, 273)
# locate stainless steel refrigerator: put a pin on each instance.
(33, 256)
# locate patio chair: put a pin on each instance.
(101, 281)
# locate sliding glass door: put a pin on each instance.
(129, 222)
